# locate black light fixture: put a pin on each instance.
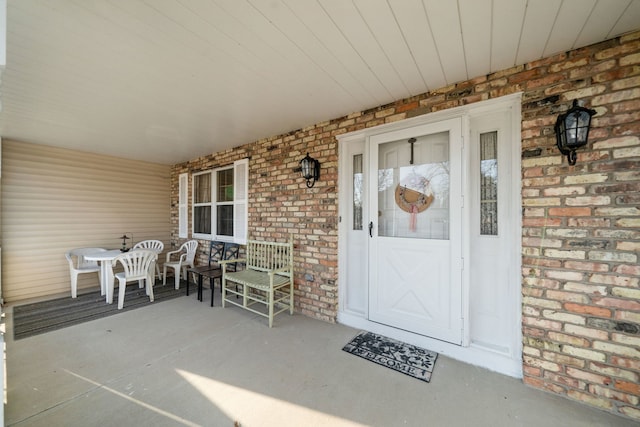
(572, 130)
(125, 237)
(310, 169)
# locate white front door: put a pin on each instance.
(415, 229)
(405, 277)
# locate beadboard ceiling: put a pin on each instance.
(170, 80)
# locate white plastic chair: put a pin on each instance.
(78, 265)
(155, 245)
(186, 260)
(138, 265)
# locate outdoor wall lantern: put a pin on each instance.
(572, 130)
(125, 237)
(310, 169)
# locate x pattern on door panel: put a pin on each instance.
(413, 290)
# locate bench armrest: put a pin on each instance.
(223, 263)
(231, 261)
(279, 270)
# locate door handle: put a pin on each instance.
(371, 229)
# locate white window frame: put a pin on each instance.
(240, 212)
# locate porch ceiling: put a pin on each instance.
(166, 81)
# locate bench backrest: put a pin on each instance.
(265, 256)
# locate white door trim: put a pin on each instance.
(499, 362)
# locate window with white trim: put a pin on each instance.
(220, 203)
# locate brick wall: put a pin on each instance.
(581, 230)
(581, 224)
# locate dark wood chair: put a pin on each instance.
(214, 271)
(216, 249)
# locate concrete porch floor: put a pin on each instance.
(183, 363)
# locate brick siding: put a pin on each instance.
(581, 224)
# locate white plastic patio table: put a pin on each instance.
(106, 271)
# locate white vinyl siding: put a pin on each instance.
(55, 199)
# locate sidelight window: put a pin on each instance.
(489, 183)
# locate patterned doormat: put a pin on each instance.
(40, 317)
(406, 358)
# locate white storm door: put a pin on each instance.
(415, 256)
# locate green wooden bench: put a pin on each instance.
(267, 279)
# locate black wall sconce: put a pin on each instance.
(310, 169)
(572, 130)
(125, 237)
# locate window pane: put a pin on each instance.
(357, 192)
(489, 184)
(202, 188)
(224, 220)
(202, 219)
(225, 185)
(413, 199)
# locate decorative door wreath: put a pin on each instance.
(411, 200)
(413, 195)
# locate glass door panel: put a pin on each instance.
(413, 187)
